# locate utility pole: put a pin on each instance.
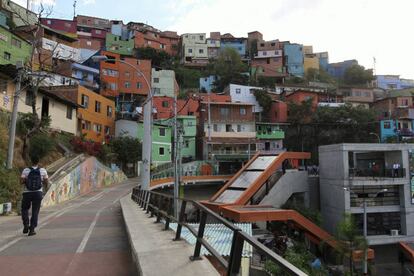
(176, 169)
(12, 129)
(74, 8)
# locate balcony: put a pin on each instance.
(242, 135)
(371, 173)
(268, 54)
(232, 154)
(272, 135)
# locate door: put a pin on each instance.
(45, 107)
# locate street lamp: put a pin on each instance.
(373, 133)
(364, 206)
(147, 144)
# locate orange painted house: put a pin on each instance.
(96, 114)
(122, 80)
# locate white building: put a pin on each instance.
(244, 94)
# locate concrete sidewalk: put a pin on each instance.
(154, 249)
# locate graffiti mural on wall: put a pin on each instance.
(85, 177)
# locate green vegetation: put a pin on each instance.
(229, 68)
(311, 128)
(126, 149)
(187, 77)
(264, 100)
(357, 75)
(40, 145)
(160, 59)
(320, 75)
(10, 187)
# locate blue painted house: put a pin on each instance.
(323, 60)
(293, 55)
(207, 83)
(236, 43)
(87, 76)
(337, 70)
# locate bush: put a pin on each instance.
(89, 147)
(40, 145)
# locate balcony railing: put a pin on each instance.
(385, 173)
(160, 206)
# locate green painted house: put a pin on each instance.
(13, 48)
(188, 135)
(161, 142)
(115, 44)
(269, 137)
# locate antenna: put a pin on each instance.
(374, 71)
(74, 8)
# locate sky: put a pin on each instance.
(347, 29)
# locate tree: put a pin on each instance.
(264, 100)
(158, 58)
(349, 239)
(40, 145)
(127, 149)
(320, 75)
(229, 68)
(358, 75)
(187, 77)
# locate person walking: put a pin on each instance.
(34, 180)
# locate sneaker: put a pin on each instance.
(32, 232)
(25, 229)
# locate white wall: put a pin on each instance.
(57, 113)
(126, 127)
(243, 94)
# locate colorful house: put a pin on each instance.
(117, 44)
(268, 61)
(338, 69)
(163, 83)
(96, 118)
(293, 55)
(194, 51)
(13, 48)
(161, 142)
(269, 137)
(236, 43)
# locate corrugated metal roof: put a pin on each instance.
(218, 236)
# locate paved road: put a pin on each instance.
(85, 236)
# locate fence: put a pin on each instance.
(161, 206)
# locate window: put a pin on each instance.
(17, 43)
(149, 42)
(107, 130)
(242, 111)
(239, 128)
(97, 106)
(387, 125)
(6, 56)
(161, 150)
(264, 53)
(49, 22)
(156, 80)
(224, 111)
(190, 51)
(272, 44)
(162, 132)
(139, 85)
(228, 128)
(86, 125)
(201, 37)
(98, 31)
(268, 60)
(69, 112)
(238, 90)
(261, 44)
(29, 97)
(85, 101)
(97, 128)
(201, 51)
(109, 111)
(112, 86)
(215, 128)
(165, 104)
(127, 84)
(186, 144)
(127, 75)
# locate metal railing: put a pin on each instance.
(161, 206)
(384, 173)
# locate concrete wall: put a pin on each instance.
(244, 94)
(85, 177)
(290, 183)
(126, 127)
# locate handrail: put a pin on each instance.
(152, 202)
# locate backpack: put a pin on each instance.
(34, 180)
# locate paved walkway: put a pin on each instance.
(85, 236)
(155, 249)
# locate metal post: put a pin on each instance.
(365, 237)
(200, 235)
(235, 254)
(176, 176)
(12, 129)
(180, 221)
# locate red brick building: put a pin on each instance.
(122, 80)
(92, 31)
